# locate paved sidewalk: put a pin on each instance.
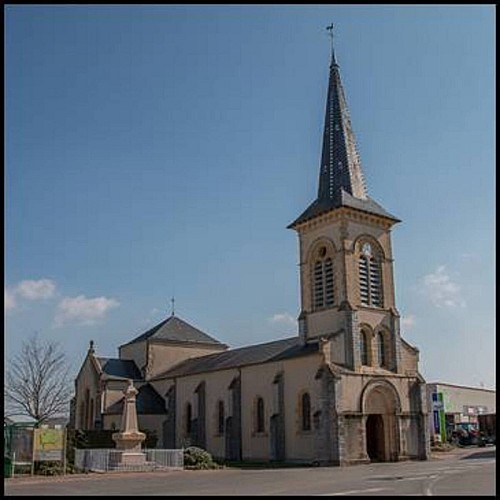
(458, 452)
(27, 479)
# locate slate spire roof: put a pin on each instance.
(174, 329)
(341, 180)
(340, 163)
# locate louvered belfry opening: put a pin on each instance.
(370, 278)
(364, 284)
(375, 283)
(323, 277)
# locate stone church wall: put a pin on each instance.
(216, 388)
(161, 357)
(409, 359)
(298, 377)
(88, 402)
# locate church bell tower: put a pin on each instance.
(346, 272)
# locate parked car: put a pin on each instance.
(486, 440)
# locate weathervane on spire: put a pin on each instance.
(330, 34)
(172, 300)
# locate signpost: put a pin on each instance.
(438, 413)
(49, 445)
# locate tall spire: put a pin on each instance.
(340, 163)
(341, 181)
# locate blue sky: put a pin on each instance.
(162, 150)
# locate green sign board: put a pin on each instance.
(48, 444)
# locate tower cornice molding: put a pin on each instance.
(344, 214)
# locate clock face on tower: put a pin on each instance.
(367, 249)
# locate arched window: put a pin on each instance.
(220, 417)
(87, 409)
(370, 277)
(364, 347)
(91, 414)
(189, 418)
(81, 423)
(323, 290)
(306, 411)
(381, 349)
(259, 423)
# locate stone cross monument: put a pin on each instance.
(128, 440)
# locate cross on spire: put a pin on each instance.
(330, 34)
(172, 300)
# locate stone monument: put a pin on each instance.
(128, 440)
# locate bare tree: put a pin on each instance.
(37, 381)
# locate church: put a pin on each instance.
(345, 390)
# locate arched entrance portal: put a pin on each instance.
(375, 442)
(381, 404)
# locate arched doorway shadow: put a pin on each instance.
(375, 441)
(380, 407)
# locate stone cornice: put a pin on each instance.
(344, 214)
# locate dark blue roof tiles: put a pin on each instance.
(341, 181)
(174, 329)
(342, 199)
(340, 163)
(124, 368)
(254, 354)
(148, 402)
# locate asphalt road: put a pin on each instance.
(459, 473)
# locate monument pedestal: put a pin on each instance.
(124, 459)
(128, 441)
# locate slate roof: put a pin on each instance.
(340, 162)
(255, 354)
(175, 329)
(148, 402)
(342, 199)
(341, 179)
(124, 368)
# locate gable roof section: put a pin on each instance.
(122, 368)
(148, 402)
(174, 329)
(255, 354)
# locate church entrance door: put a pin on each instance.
(380, 407)
(375, 446)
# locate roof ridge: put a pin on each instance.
(227, 354)
(176, 329)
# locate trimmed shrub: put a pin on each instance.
(50, 468)
(198, 458)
